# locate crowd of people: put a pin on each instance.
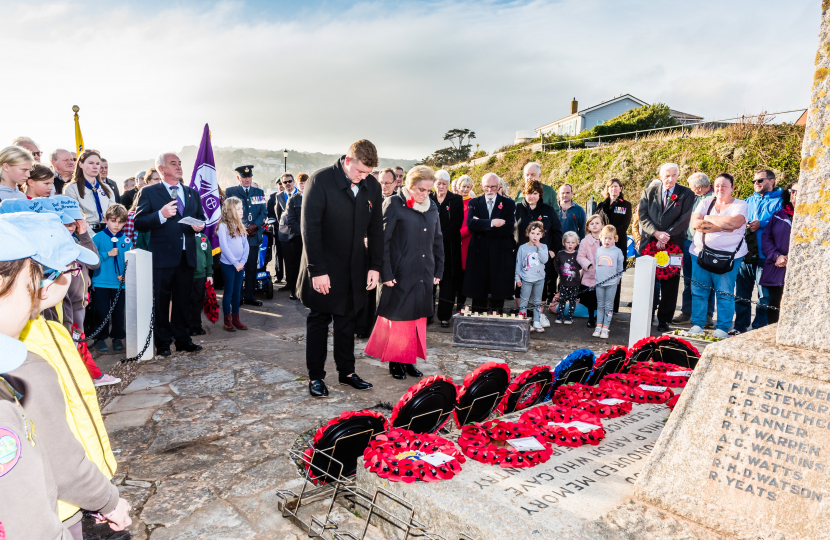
(370, 252)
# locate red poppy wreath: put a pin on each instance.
(405, 456)
(641, 392)
(666, 271)
(483, 443)
(565, 426)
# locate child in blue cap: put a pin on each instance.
(111, 244)
(37, 258)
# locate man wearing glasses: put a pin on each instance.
(490, 219)
(388, 181)
(281, 205)
(398, 178)
(762, 204)
(30, 145)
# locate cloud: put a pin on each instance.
(319, 77)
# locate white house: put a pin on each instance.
(591, 117)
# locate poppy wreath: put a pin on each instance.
(516, 386)
(665, 272)
(345, 415)
(662, 378)
(468, 380)
(686, 343)
(477, 441)
(603, 410)
(571, 394)
(381, 457)
(539, 417)
(673, 401)
(625, 379)
(414, 389)
(606, 355)
(635, 393)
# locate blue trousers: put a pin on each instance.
(748, 277)
(700, 295)
(233, 289)
(687, 282)
(532, 292)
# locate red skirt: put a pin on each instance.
(398, 341)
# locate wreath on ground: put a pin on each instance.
(405, 456)
(638, 392)
(530, 395)
(546, 418)
(481, 443)
(470, 378)
(672, 376)
(664, 270)
(571, 394)
(609, 409)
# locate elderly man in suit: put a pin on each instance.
(491, 261)
(253, 217)
(160, 208)
(341, 210)
(665, 210)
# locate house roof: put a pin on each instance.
(684, 116)
(593, 108)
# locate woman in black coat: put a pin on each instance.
(451, 215)
(529, 209)
(616, 211)
(413, 261)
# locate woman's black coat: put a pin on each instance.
(413, 254)
(618, 214)
(334, 225)
(544, 213)
(451, 214)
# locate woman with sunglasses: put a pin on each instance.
(58, 396)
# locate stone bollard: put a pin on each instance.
(645, 271)
(139, 302)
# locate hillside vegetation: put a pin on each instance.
(739, 149)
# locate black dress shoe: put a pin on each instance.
(355, 382)
(188, 347)
(412, 371)
(445, 324)
(292, 296)
(663, 327)
(397, 371)
(318, 389)
(253, 302)
(164, 351)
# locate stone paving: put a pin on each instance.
(202, 439)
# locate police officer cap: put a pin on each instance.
(41, 237)
(245, 171)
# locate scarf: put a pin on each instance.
(789, 209)
(114, 244)
(420, 207)
(97, 202)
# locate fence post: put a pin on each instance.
(645, 269)
(139, 302)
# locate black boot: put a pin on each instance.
(412, 371)
(592, 323)
(396, 370)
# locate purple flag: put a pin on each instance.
(205, 182)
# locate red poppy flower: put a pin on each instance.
(410, 202)
(448, 208)
(673, 197)
(500, 205)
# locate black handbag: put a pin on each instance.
(714, 260)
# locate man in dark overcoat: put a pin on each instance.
(665, 210)
(254, 212)
(491, 258)
(451, 215)
(341, 208)
(160, 208)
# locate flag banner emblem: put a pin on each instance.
(205, 181)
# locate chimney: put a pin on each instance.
(574, 106)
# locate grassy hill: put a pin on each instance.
(739, 150)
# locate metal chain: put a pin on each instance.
(735, 297)
(112, 309)
(149, 335)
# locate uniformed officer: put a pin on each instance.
(253, 217)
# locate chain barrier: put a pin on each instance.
(149, 336)
(738, 298)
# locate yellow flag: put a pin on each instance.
(79, 139)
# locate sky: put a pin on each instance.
(317, 75)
